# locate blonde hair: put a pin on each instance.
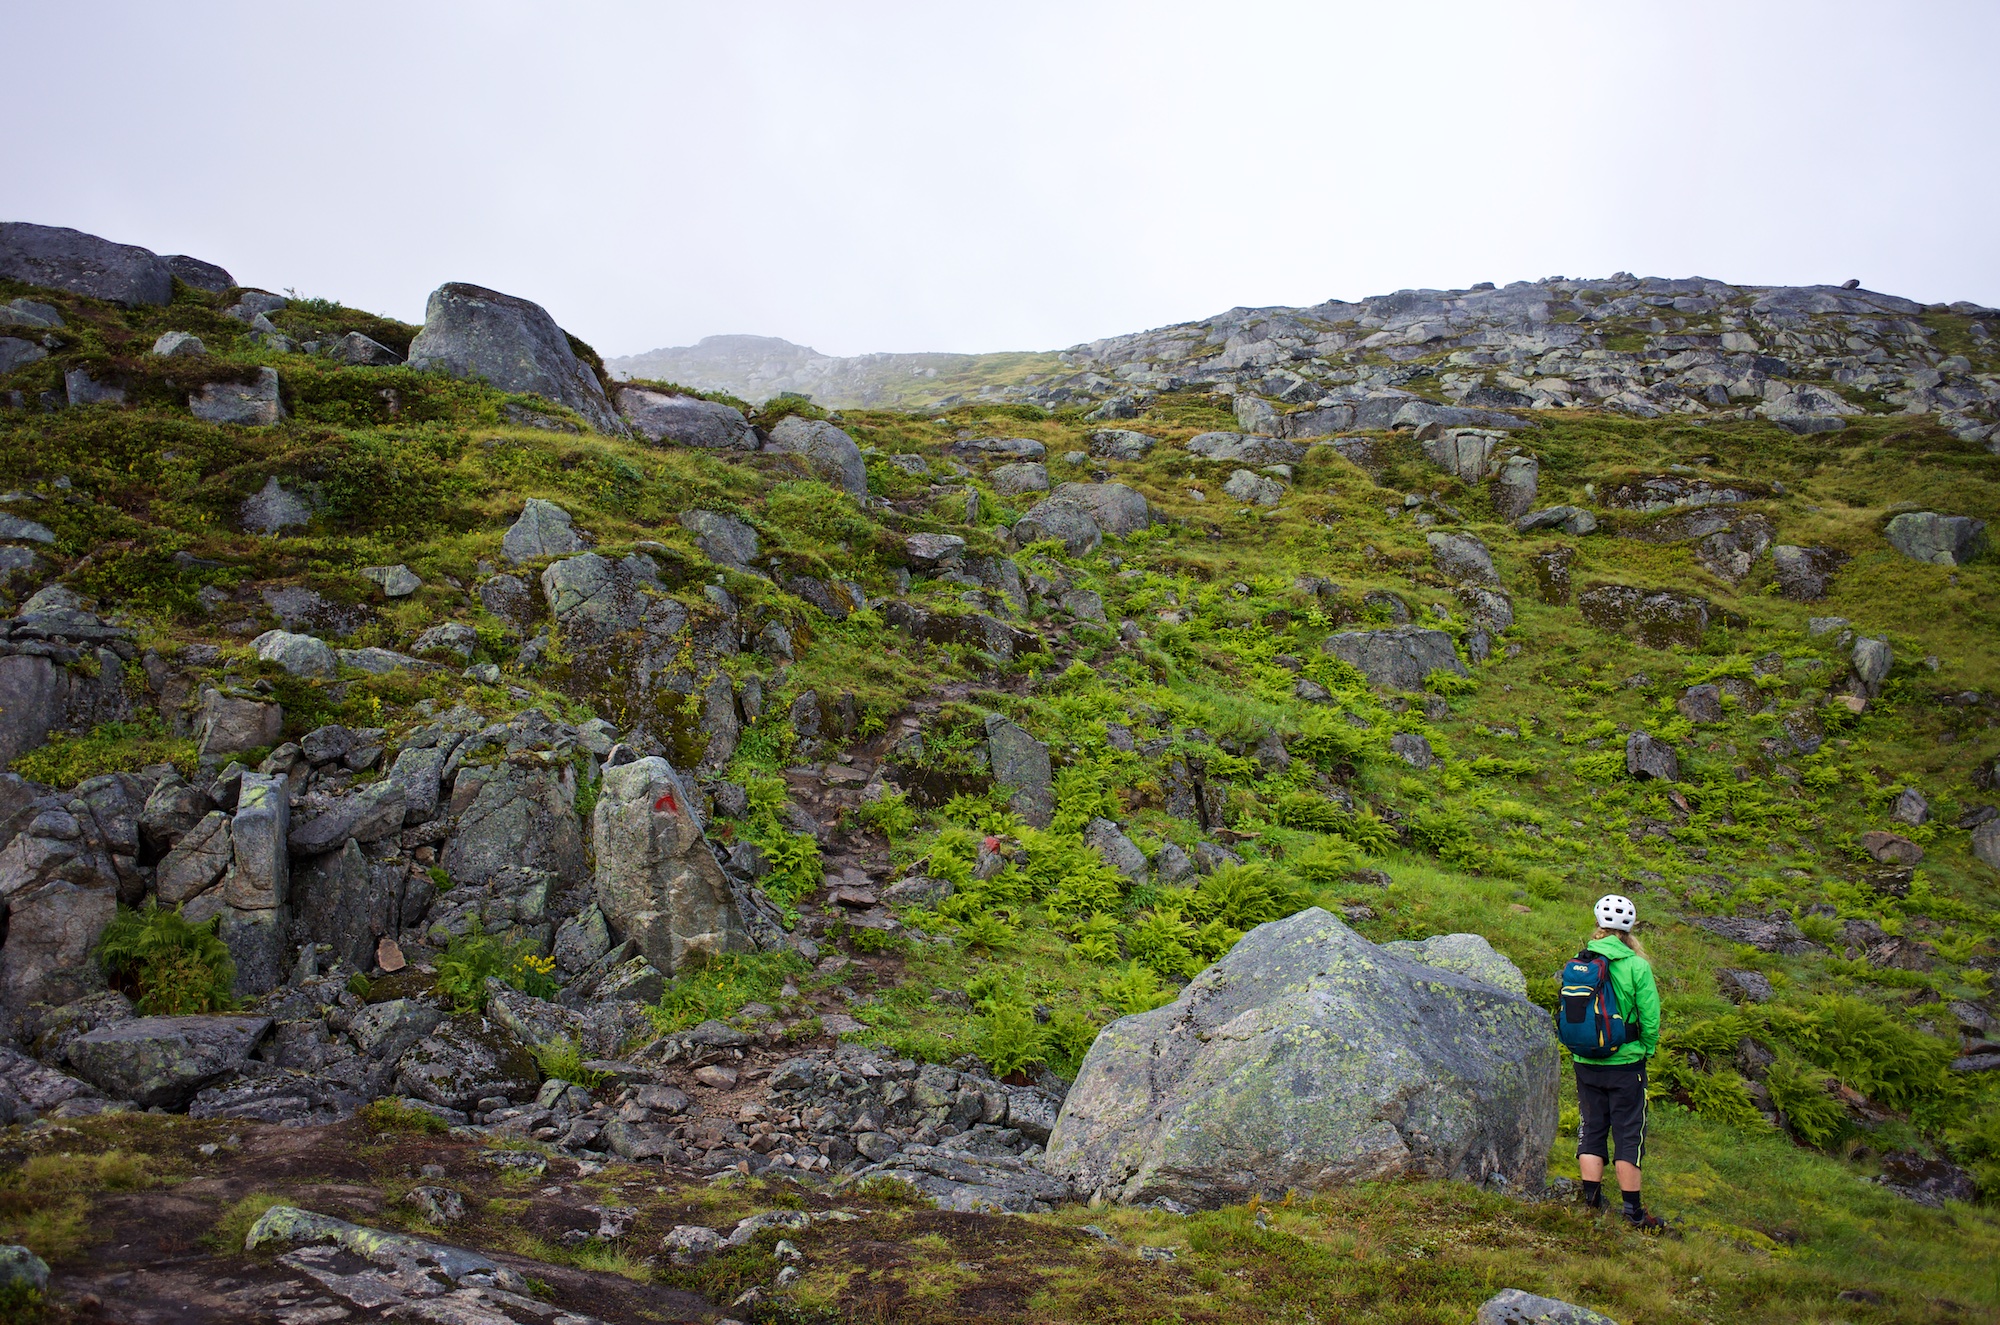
(1625, 936)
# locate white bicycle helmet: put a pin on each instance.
(1615, 912)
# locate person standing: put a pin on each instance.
(1624, 1005)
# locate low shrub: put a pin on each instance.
(394, 1116)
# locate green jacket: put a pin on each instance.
(1638, 1000)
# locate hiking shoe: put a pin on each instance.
(1645, 1221)
(1593, 1204)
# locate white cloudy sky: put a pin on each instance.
(876, 176)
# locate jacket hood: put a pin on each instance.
(1611, 947)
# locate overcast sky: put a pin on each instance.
(936, 176)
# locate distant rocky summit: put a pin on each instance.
(1805, 357)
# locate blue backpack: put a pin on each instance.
(1588, 1019)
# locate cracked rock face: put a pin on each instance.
(1308, 1058)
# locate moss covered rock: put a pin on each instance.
(1309, 1058)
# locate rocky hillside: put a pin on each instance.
(485, 840)
(1806, 357)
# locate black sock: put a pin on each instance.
(1632, 1206)
(1593, 1193)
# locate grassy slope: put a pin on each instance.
(420, 470)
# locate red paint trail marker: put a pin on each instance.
(667, 803)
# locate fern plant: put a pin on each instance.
(172, 967)
(1134, 988)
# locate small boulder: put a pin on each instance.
(724, 539)
(179, 344)
(1873, 658)
(231, 724)
(300, 655)
(358, 351)
(1117, 509)
(397, 581)
(1024, 476)
(1515, 486)
(1461, 558)
(1399, 658)
(932, 551)
(163, 1061)
(256, 405)
(660, 416)
(1117, 850)
(1253, 489)
(1572, 520)
(827, 451)
(1742, 986)
(1805, 574)
(1886, 848)
(1702, 703)
(1648, 757)
(1020, 761)
(1942, 540)
(1511, 1306)
(272, 509)
(543, 530)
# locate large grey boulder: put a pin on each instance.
(470, 331)
(657, 881)
(1511, 1306)
(1120, 444)
(1117, 509)
(724, 539)
(301, 655)
(1305, 1059)
(1942, 540)
(503, 815)
(256, 404)
(369, 815)
(542, 530)
(160, 1062)
(1398, 658)
(659, 416)
(1020, 761)
(57, 258)
(179, 345)
(828, 452)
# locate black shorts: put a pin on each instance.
(1611, 1102)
